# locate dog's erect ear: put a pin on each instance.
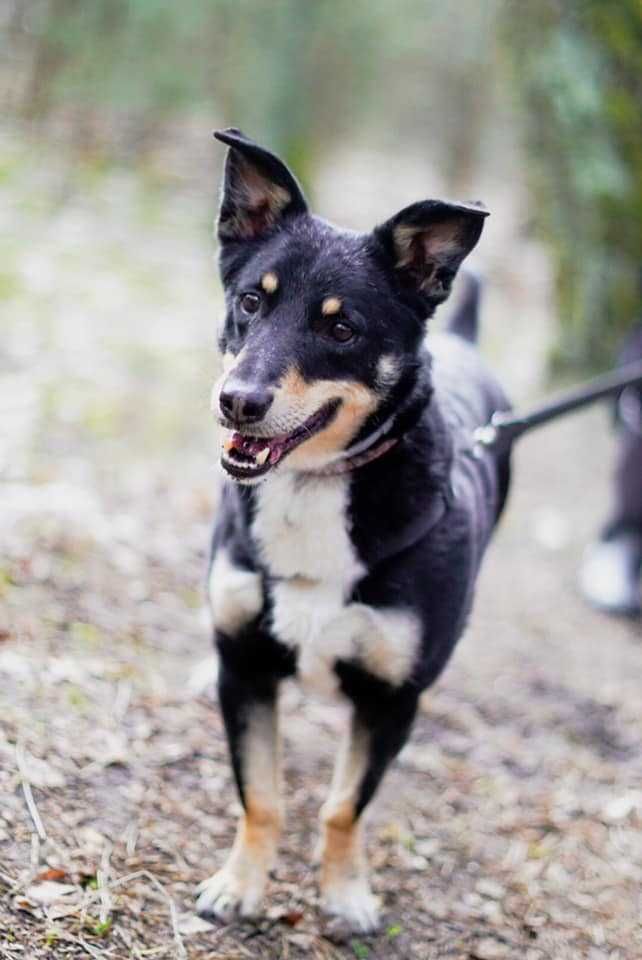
(258, 189)
(428, 241)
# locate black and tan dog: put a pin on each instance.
(354, 519)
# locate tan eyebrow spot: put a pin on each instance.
(270, 282)
(331, 305)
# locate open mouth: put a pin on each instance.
(246, 457)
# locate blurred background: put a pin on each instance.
(109, 297)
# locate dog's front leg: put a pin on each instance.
(379, 727)
(249, 710)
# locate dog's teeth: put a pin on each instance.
(262, 456)
(228, 444)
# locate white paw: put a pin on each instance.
(230, 893)
(352, 901)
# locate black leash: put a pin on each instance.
(505, 428)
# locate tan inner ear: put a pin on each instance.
(442, 240)
(439, 241)
(260, 191)
(260, 202)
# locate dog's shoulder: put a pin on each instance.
(467, 391)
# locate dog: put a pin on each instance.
(354, 514)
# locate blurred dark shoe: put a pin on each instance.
(610, 574)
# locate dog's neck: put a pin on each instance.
(353, 459)
(384, 434)
(418, 426)
(391, 422)
(380, 438)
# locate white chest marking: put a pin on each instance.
(302, 531)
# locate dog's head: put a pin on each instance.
(323, 327)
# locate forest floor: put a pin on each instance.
(510, 825)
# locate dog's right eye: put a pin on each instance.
(341, 332)
(250, 303)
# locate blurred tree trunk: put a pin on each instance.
(49, 54)
(577, 66)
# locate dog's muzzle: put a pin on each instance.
(242, 404)
(247, 457)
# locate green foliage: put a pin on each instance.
(101, 927)
(299, 74)
(305, 76)
(577, 67)
(85, 633)
(148, 60)
(360, 950)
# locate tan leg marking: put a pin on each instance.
(345, 890)
(239, 886)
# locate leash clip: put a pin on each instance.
(496, 435)
(504, 429)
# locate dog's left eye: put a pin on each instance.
(250, 303)
(341, 332)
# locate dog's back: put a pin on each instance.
(464, 320)
(428, 541)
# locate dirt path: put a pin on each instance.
(510, 827)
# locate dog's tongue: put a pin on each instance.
(248, 445)
(257, 447)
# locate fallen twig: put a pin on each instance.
(180, 946)
(181, 952)
(28, 794)
(102, 878)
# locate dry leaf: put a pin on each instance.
(48, 892)
(292, 917)
(52, 874)
(190, 923)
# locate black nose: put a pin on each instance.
(243, 403)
